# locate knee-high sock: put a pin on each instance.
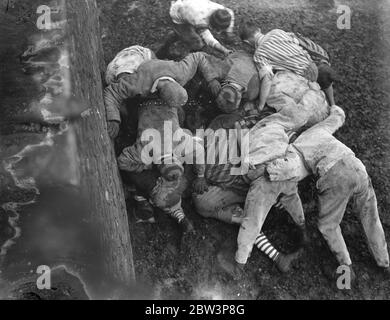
(265, 246)
(177, 214)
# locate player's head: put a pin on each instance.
(220, 20)
(229, 98)
(248, 31)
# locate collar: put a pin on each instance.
(156, 83)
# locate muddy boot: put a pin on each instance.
(186, 226)
(229, 266)
(179, 216)
(284, 262)
(143, 211)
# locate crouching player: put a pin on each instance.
(341, 177)
(163, 145)
(192, 20)
(262, 196)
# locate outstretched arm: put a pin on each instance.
(187, 68)
(332, 123)
(266, 75)
(231, 26)
(209, 39)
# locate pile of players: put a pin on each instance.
(280, 101)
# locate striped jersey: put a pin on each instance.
(279, 50)
(317, 53)
(221, 173)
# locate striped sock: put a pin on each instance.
(263, 244)
(178, 215)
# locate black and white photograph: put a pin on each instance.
(195, 155)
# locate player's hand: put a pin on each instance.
(227, 52)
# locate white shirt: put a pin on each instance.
(127, 61)
(197, 13)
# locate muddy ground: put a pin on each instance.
(361, 57)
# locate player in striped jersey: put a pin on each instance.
(279, 51)
(326, 75)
